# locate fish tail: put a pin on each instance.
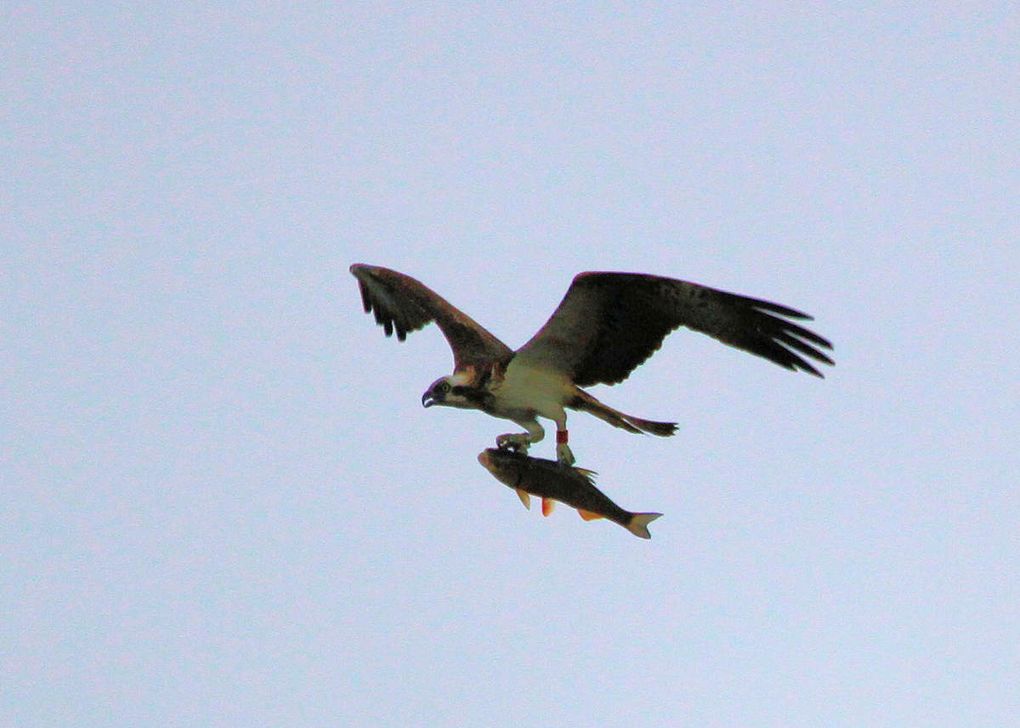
(638, 524)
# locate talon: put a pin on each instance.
(564, 455)
(513, 441)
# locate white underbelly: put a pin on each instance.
(528, 391)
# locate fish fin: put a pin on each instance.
(547, 506)
(524, 496)
(586, 473)
(638, 524)
(588, 515)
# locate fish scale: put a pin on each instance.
(555, 481)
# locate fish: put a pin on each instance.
(555, 481)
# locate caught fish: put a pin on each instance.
(554, 481)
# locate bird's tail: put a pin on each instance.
(584, 402)
(662, 429)
(639, 524)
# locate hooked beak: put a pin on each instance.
(428, 399)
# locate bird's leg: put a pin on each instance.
(563, 453)
(521, 441)
(518, 442)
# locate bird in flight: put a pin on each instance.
(606, 326)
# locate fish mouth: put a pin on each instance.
(486, 460)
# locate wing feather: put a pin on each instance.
(608, 324)
(403, 304)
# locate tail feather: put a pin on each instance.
(662, 429)
(584, 402)
(639, 524)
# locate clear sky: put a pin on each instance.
(222, 503)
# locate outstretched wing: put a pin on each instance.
(403, 304)
(609, 323)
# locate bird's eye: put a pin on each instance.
(444, 387)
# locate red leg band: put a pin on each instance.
(561, 437)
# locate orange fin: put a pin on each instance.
(547, 506)
(588, 515)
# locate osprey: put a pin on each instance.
(606, 326)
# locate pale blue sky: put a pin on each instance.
(223, 504)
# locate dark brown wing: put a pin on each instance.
(609, 323)
(403, 304)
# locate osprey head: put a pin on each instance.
(450, 391)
